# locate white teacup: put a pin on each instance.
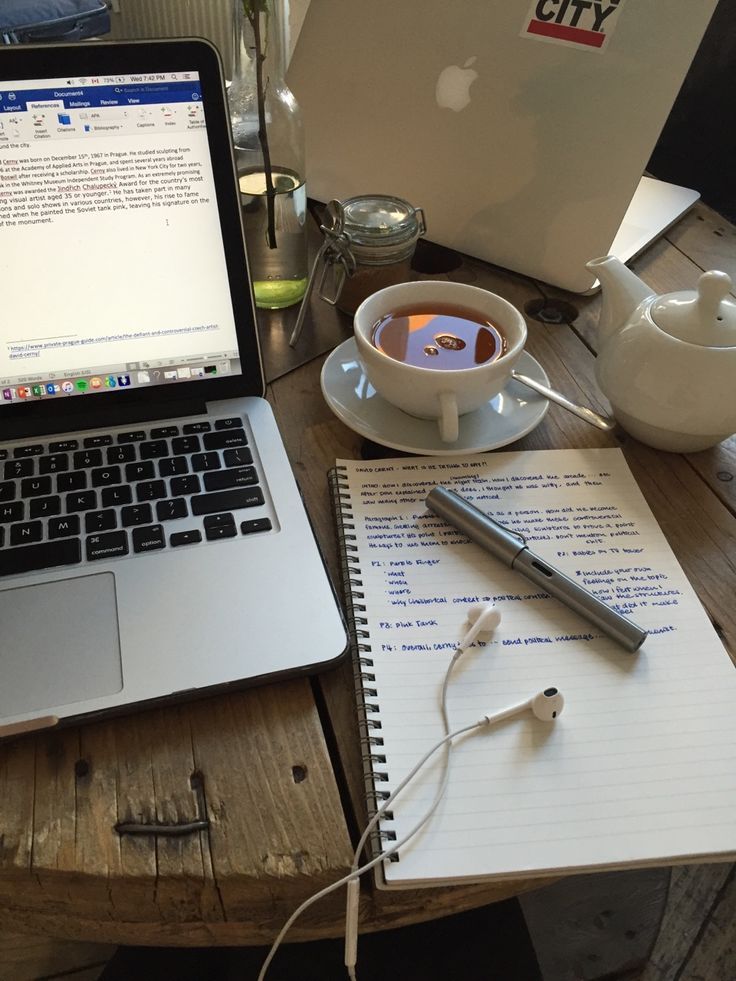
(438, 393)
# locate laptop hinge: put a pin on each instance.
(91, 418)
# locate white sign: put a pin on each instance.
(573, 23)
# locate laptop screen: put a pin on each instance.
(106, 196)
(121, 250)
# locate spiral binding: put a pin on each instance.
(374, 761)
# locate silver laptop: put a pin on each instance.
(153, 542)
(522, 127)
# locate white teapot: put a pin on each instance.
(667, 364)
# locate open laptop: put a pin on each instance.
(153, 542)
(521, 127)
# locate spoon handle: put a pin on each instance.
(601, 422)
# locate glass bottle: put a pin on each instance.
(269, 153)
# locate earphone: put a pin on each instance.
(482, 619)
(545, 705)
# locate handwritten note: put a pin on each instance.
(640, 768)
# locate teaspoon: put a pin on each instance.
(594, 418)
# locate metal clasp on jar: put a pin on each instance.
(334, 256)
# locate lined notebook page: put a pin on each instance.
(641, 765)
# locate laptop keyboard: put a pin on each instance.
(127, 492)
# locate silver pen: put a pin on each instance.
(512, 550)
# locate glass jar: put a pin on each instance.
(382, 233)
(269, 153)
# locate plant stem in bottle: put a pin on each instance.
(279, 274)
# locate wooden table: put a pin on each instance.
(275, 772)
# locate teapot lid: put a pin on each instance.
(706, 317)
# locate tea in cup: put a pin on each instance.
(438, 350)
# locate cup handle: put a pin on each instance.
(448, 420)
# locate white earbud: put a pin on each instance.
(482, 619)
(545, 705)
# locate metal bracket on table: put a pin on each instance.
(201, 823)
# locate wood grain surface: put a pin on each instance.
(276, 771)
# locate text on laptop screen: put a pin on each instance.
(111, 256)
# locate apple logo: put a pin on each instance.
(453, 86)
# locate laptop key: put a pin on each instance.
(185, 485)
(221, 531)
(196, 427)
(218, 520)
(134, 436)
(87, 458)
(106, 476)
(169, 510)
(44, 507)
(164, 432)
(100, 521)
(136, 514)
(7, 490)
(18, 468)
(113, 496)
(54, 463)
(21, 451)
(63, 527)
(206, 461)
(218, 526)
(81, 501)
(240, 477)
(28, 558)
(185, 444)
(234, 423)
(224, 440)
(173, 466)
(63, 446)
(75, 480)
(150, 490)
(120, 454)
(91, 441)
(139, 471)
(153, 449)
(26, 532)
(257, 524)
(183, 537)
(35, 486)
(228, 500)
(237, 457)
(148, 539)
(12, 512)
(108, 546)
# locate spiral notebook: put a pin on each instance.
(640, 768)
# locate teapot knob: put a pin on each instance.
(713, 287)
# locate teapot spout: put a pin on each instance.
(622, 292)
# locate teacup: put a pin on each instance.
(444, 393)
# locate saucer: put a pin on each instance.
(513, 413)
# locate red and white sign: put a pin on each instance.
(574, 23)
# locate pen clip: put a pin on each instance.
(509, 531)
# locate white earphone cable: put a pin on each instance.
(355, 873)
(352, 906)
(485, 619)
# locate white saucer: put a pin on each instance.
(509, 416)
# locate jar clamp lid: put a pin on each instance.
(381, 228)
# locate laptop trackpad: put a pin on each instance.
(59, 643)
